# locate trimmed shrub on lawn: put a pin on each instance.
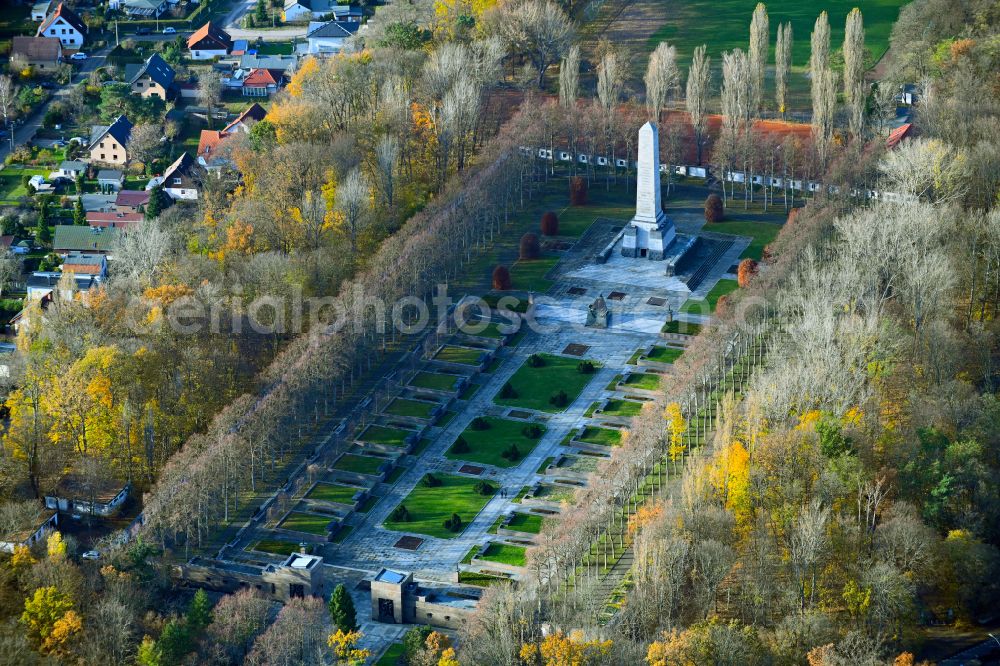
(507, 391)
(585, 367)
(400, 514)
(577, 191)
(530, 249)
(746, 271)
(460, 446)
(536, 361)
(532, 431)
(432, 481)
(559, 399)
(479, 423)
(714, 211)
(550, 224)
(511, 453)
(453, 524)
(484, 488)
(501, 278)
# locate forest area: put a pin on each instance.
(848, 497)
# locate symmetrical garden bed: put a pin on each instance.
(436, 381)
(495, 441)
(356, 464)
(333, 492)
(429, 506)
(461, 355)
(309, 523)
(550, 386)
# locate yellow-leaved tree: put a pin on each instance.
(559, 649)
(730, 478)
(676, 426)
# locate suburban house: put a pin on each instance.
(209, 41)
(262, 82)
(92, 240)
(71, 169)
(116, 220)
(330, 37)
(110, 180)
(210, 153)
(182, 179)
(40, 10)
(41, 285)
(250, 117)
(131, 201)
(76, 494)
(36, 532)
(42, 53)
(154, 78)
(66, 26)
(109, 143)
(904, 131)
(139, 9)
(305, 10)
(283, 63)
(79, 263)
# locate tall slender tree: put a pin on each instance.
(819, 59)
(824, 89)
(782, 66)
(662, 78)
(854, 70)
(569, 78)
(698, 83)
(760, 39)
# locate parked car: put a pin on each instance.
(91, 555)
(78, 139)
(144, 31)
(79, 55)
(169, 30)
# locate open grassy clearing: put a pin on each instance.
(487, 446)
(600, 436)
(331, 492)
(462, 355)
(429, 506)
(505, 554)
(529, 274)
(707, 306)
(358, 464)
(530, 523)
(747, 224)
(306, 522)
(535, 386)
(378, 434)
(435, 381)
(393, 656)
(413, 408)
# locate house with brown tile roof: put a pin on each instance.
(209, 41)
(42, 53)
(262, 82)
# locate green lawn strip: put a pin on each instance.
(306, 522)
(486, 446)
(434, 381)
(276, 546)
(600, 436)
(529, 274)
(505, 554)
(545, 463)
(470, 391)
(534, 386)
(330, 492)
(681, 327)
(343, 533)
(613, 384)
(392, 656)
(707, 306)
(662, 354)
(493, 330)
(762, 233)
(511, 302)
(358, 464)
(467, 558)
(480, 579)
(395, 474)
(378, 434)
(495, 526)
(520, 495)
(645, 381)
(462, 355)
(590, 410)
(530, 523)
(634, 358)
(429, 506)
(414, 408)
(445, 420)
(553, 493)
(369, 503)
(494, 364)
(622, 408)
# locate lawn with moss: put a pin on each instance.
(417, 409)
(378, 434)
(310, 523)
(534, 386)
(600, 436)
(530, 523)
(332, 492)
(429, 506)
(707, 306)
(503, 553)
(350, 462)
(460, 355)
(488, 445)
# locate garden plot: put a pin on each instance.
(547, 383)
(495, 441)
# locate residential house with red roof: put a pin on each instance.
(262, 82)
(64, 25)
(209, 41)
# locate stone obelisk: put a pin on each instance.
(650, 232)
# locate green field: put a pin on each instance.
(331, 492)
(526, 522)
(413, 408)
(430, 507)
(378, 434)
(681, 327)
(529, 274)
(463, 355)
(492, 329)
(644, 381)
(358, 464)
(276, 546)
(617, 204)
(534, 386)
(505, 554)
(11, 189)
(393, 656)
(600, 436)
(622, 408)
(553, 493)
(434, 381)
(762, 233)
(664, 354)
(486, 446)
(309, 523)
(707, 306)
(479, 579)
